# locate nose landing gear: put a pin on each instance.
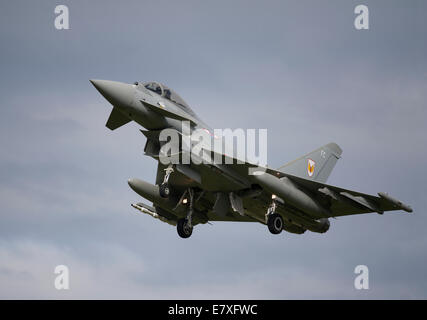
(164, 189)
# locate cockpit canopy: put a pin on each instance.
(167, 93)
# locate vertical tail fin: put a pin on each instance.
(316, 165)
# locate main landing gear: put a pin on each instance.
(184, 225)
(164, 189)
(274, 220)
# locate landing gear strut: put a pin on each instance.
(164, 187)
(274, 220)
(184, 225)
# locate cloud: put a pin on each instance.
(300, 70)
(114, 272)
(27, 271)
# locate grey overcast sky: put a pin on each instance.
(298, 68)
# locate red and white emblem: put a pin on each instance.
(310, 167)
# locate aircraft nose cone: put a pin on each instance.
(117, 93)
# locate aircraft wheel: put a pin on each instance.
(275, 223)
(164, 190)
(184, 231)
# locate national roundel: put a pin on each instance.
(310, 167)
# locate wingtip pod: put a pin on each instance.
(395, 202)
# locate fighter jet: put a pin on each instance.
(294, 197)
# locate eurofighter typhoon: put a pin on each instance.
(294, 197)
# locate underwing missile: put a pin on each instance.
(152, 212)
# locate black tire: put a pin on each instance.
(275, 223)
(164, 190)
(183, 230)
